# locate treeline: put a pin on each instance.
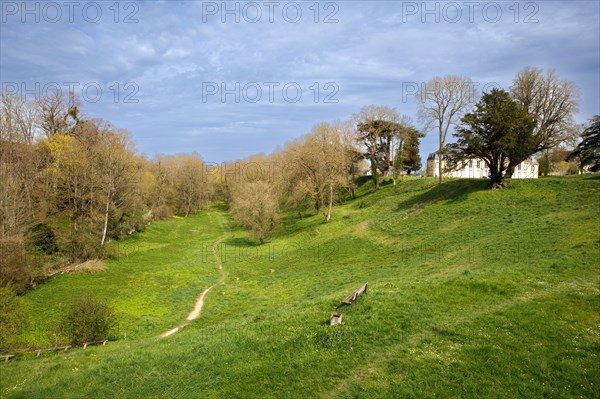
(73, 185)
(319, 170)
(70, 185)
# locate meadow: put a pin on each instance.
(472, 293)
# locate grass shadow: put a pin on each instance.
(592, 177)
(219, 206)
(452, 191)
(239, 242)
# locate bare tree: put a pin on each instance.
(317, 167)
(117, 173)
(18, 118)
(191, 189)
(551, 101)
(442, 102)
(255, 206)
(54, 109)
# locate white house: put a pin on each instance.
(476, 168)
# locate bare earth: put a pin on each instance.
(194, 314)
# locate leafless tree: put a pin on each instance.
(54, 109)
(442, 102)
(551, 101)
(19, 119)
(255, 206)
(317, 167)
(117, 171)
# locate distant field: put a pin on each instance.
(472, 293)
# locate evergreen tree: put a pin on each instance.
(497, 131)
(411, 159)
(588, 151)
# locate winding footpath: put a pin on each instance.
(194, 314)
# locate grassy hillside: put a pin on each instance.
(472, 293)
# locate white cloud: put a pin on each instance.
(369, 53)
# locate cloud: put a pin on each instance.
(164, 58)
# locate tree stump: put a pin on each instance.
(335, 319)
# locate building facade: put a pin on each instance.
(476, 169)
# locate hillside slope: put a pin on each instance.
(472, 293)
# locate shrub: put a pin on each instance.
(89, 319)
(42, 237)
(162, 212)
(13, 264)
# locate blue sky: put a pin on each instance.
(173, 58)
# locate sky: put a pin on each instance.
(232, 79)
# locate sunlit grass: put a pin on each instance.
(472, 293)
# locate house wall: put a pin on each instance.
(476, 169)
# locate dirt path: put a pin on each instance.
(194, 314)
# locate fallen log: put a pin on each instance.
(336, 318)
(102, 341)
(56, 348)
(6, 357)
(350, 299)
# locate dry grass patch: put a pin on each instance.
(90, 266)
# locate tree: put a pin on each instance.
(255, 206)
(497, 131)
(376, 129)
(161, 190)
(20, 209)
(191, 188)
(18, 118)
(588, 151)
(406, 153)
(73, 192)
(551, 102)
(93, 174)
(117, 171)
(54, 112)
(411, 159)
(354, 156)
(317, 167)
(442, 102)
(89, 319)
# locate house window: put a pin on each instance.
(519, 166)
(478, 164)
(470, 164)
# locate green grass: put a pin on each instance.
(472, 293)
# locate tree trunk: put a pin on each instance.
(509, 171)
(440, 168)
(105, 220)
(375, 178)
(330, 203)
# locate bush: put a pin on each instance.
(42, 237)
(89, 319)
(162, 212)
(18, 264)
(13, 263)
(13, 314)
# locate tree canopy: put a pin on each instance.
(588, 151)
(497, 131)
